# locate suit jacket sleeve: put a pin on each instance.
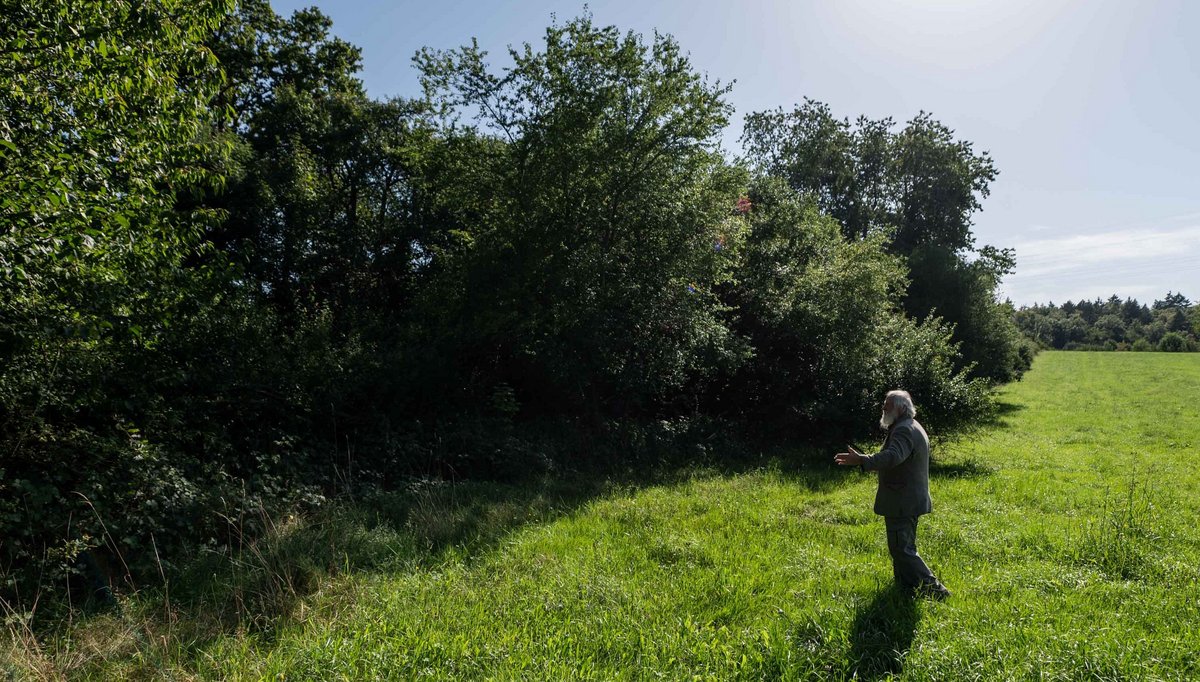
(899, 447)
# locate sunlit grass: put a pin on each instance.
(1067, 532)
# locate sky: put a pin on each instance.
(1087, 107)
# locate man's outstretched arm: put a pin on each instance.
(853, 458)
(899, 447)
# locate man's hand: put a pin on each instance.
(849, 459)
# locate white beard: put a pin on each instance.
(885, 419)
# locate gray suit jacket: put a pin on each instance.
(903, 466)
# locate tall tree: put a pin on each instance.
(591, 269)
(321, 200)
(845, 169)
(919, 186)
(937, 183)
(1172, 301)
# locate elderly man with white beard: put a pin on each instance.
(903, 492)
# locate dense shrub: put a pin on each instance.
(106, 117)
(821, 315)
(916, 187)
(1172, 343)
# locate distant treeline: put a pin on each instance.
(232, 281)
(1171, 324)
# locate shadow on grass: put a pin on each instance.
(969, 468)
(259, 588)
(1001, 413)
(882, 634)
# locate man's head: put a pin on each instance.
(896, 405)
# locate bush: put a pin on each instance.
(1026, 352)
(829, 339)
(1142, 346)
(1172, 342)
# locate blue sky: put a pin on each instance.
(1087, 106)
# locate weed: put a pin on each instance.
(1118, 538)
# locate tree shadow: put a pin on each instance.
(999, 416)
(969, 468)
(882, 634)
(259, 586)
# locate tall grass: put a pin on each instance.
(1120, 536)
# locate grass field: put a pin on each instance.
(1067, 532)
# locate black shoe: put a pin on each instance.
(934, 590)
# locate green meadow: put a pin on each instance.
(1067, 531)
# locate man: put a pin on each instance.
(903, 493)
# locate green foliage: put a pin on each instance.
(939, 182)
(1173, 301)
(235, 291)
(918, 187)
(104, 133)
(821, 315)
(921, 357)
(963, 294)
(605, 222)
(845, 170)
(1110, 325)
(1172, 342)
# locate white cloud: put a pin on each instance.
(1040, 257)
(1143, 263)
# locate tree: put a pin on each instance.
(963, 294)
(1109, 324)
(1172, 301)
(607, 219)
(938, 182)
(106, 111)
(844, 169)
(920, 187)
(804, 297)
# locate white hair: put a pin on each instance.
(902, 403)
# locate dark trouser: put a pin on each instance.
(910, 571)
